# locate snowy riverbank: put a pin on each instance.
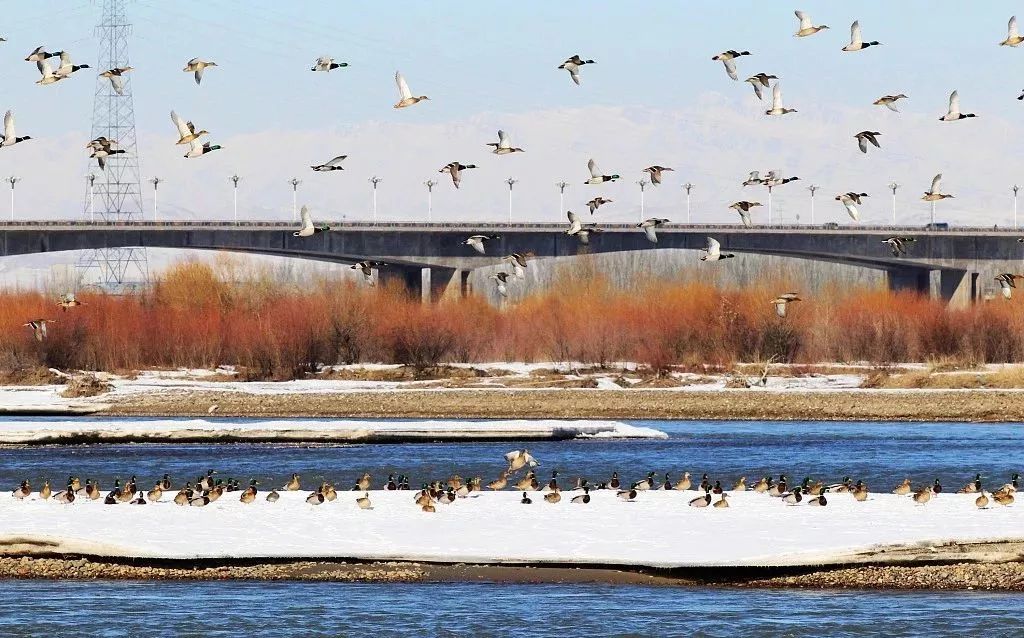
(26, 431)
(657, 530)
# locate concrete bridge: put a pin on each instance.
(431, 258)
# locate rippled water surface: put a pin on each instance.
(879, 453)
(286, 610)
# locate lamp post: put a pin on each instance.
(235, 179)
(13, 180)
(769, 204)
(688, 186)
(155, 182)
(375, 180)
(91, 179)
(561, 197)
(893, 186)
(430, 184)
(295, 181)
(510, 183)
(1015, 189)
(643, 185)
(813, 188)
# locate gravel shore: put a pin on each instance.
(854, 405)
(961, 576)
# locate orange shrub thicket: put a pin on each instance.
(195, 316)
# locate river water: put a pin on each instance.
(882, 454)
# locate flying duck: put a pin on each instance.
(405, 95)
(478, 241)
(596, 177)
(198, 149)
(713, 251)
(580, 230)
(10, 138)
(760, 80)
(518, 263)
(777, 108)
(330, 165)
(504, 145)
(728, 59)
(898, 245)
(308, 229)
(186, 130)
(40, 53)
(366, 267)
(572, 65)
(520, 458)
(48, 76)
(596, 203)
(782, 302)
(499, 279)
(933, 194)
(1007, 282)
(806, 27)
(325, 63)
(772, 180)
(114, 75)
(1013, 37)
(743, 208)
(754, 179)
(455, 170)
(655, 173)
(195, 65)
(66, 67)
(849, 201)
(102, 148)
(953, 113)
(649, 226)
(38, 327)
(865, 137)
(857, 42)
(889, 101)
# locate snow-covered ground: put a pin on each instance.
(657, 530)
(307, 430)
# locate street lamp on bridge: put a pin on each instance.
(12, 180)
(235, 179)
(295, 181)
(688, 186)
(561, 197)
(510, 181)
(642, 184)
(91, 180)
(893, 186)
(1015, 189)
(813, 188)
(155, 182)
(430, 184)
(375, 180)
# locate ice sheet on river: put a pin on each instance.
(309, 430)
(657, 530)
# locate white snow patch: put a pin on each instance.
(23, 431)
(658, 530)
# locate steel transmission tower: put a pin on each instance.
(117, 193)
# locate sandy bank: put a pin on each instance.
(887, 405)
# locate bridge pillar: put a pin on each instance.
(957, 287)
(916, 279)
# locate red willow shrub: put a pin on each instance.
(195, 317)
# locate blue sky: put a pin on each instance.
(655, 96)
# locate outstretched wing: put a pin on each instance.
(1011, 28)
(503, 140)
(403, 87)
(855, 36)
(954, 103)
(183, 130)
(805, 20)
(336, 161)
(307, 220)
(714, 246)
(9, 126)
(935, 183)
(594, 171)
(776, 96)
(730, 68)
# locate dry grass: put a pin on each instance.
(1002, 379)
(198, 316)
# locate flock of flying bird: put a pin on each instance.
(103, 148)
(208, 489)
